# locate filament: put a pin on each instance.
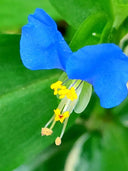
(48, 123)
(64, 127)
(52, 124)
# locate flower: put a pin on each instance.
(41, 43)
(104, 66)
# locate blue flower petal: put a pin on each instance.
(42, 45)
(105, 66)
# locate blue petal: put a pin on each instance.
(105, 66)
(42, 45)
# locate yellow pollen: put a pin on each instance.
(69, 93)
(72, 94)
(46, 131)
(63, 87)
(62, 93)
(60, 117)
(58, 141)
(56, 86)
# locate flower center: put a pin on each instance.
(69, 96)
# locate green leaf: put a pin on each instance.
(100, 153)
(14, 13)
(13, 74)
(89, 32)
(115, 10)
(120, 10)
(74, 155)
(54, 155)
(26, 104)
(75, 12)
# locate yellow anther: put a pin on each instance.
(62, 96)
(72, 94)
(60, 117)
(65, 91)
(62, 93)
(57, 111)
(55, 91)
(57, 86)
(46, 131)
(58, 141)
(63, 87)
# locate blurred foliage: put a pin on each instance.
(97, 152)
(98, 139)
(75, 12)
(14, 13)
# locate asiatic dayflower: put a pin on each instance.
(104, 66)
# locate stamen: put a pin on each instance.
(58, 141)
(60, 117)
(53, 123)
(64, 127)
(62, 91)
(62, 104)
(71, 94)
(48, 123)
(65, 81)
(46, 131)
(56, 86)
(69, 98)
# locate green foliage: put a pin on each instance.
(89, 32)
(104, 152)
(14, 13)
(120, 10)
(75, 12)
(24, 97)
(56, 156)
(27, 103)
